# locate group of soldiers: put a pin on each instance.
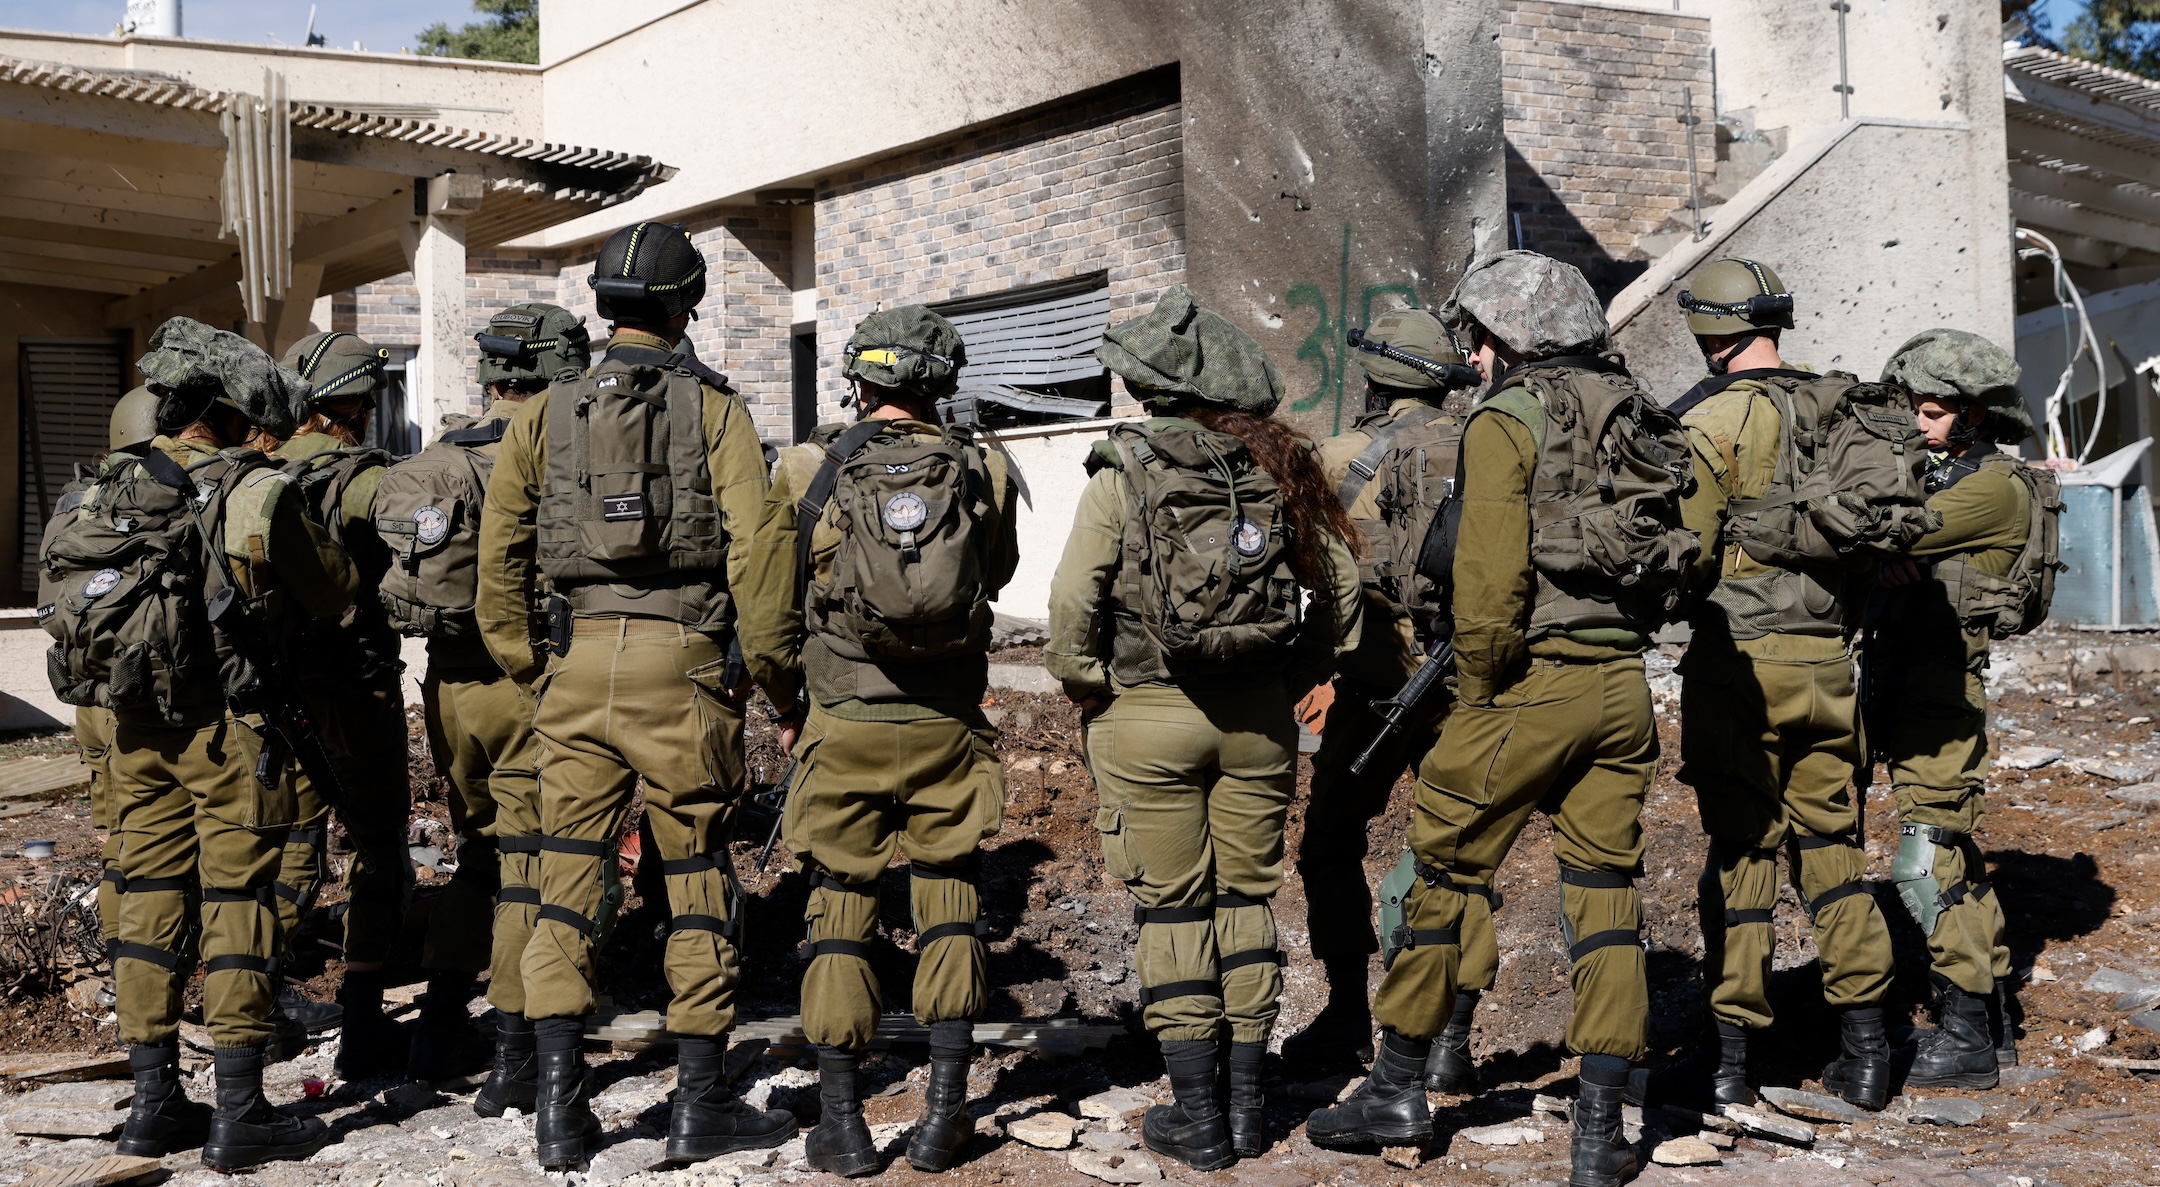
(605, 567)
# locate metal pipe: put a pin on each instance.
(2115, 500)
(1844, 83)
(1694, 185)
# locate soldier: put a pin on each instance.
(1554, 709)
(352, 675)
(1770, 736)
(479, 720)
(1174, 626)
(896, 752)
(1972, 579)
(1391, 472)
(634, 491)
(209, 558)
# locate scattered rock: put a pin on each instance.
(2091, 1040)
(1127, 1166)
(1721, 1141)
(1557, 1107)
(1767, 1125)
(65, 1122)
(790, 1152)
(1271, 1176)
(1813, 1106)
(2027, 758)
(1408, 1158)
(1044, 1131)
(623, 1159)
(1114, 1103)
(2144, 795)
(1502, 1135)
(88, 1094)
(1947, 1110)
(2149, 1019)
(1685, 1152)
(1109, 1141)
(2018, 1077)
(2107, 979)
(2118, 772)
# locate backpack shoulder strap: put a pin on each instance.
(489, 433)
(811, 506)
(1713, 384)
(1366, 465)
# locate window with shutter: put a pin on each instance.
(1031, 353)
(69, 387)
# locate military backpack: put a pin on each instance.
(910, 576)
(427, 511)
(1205, 575)
(1414, 459)
(2018, 601)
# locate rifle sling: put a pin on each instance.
(1366, 465)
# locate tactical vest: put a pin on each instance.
(125, 572)
(627, 520)
(1414, 459)
(1611, 463)
(427, 512)
(361, 645)
(1204, 584)
(2016, 602)
(903, 609)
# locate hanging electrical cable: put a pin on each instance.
(2067, 296)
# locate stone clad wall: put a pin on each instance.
(1597, 154)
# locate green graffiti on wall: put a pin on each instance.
(1325, 347)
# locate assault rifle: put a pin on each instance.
(273, 694)
(774, 800)
(1396, 712)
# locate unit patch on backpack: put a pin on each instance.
(427, 510)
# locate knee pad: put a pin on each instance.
(602, 924)
(1392, 915)
(1914, 872)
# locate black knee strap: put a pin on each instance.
(1807, 841)
(1719, 850)
(1614, 938)
(855, 948)
(157, 956)
(566, 916)
(1149, 995)
(821, 880)
(1142, 916)
(517, 844)
(1596, 879)
(1958, 892)
(1405, 937)
(528, 896)
(127, 885)
(1736, 918)
(1936, 834)
(574, 848)
(1842, 891)
(1233, 900)
(724, 928)
(945, 931)
(695, 864)
(1251, 956)
(313, 838)
(262, 896)
(237, 962)
(969, 871)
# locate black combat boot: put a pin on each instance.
(2003, 1015)
(444, 1044)
(245, 1131)
(1389, 1108)
(162, 1119)
(514, 1082)
(1449, 1068)
(1342, 1032)
(1192, 1128)
(1959, 1052)
(369, 1044)
(1599, 1149)
(1713, 1075)
(313, 1016)
(708, 1120)
(945, 1126)
(841, 1142)
(1862, 1074)
(1248, 1106)
(563, 1119)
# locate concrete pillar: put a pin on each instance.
(435, 247)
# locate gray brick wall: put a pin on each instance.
(1597, 152)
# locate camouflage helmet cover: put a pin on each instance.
(532, 341)
(1733, 296)
(337, 365)
(1178, 348)
(134, 421)
(1537, 305)
(1960, 365)
(1412, 331)
(186, 355)
(909, 348)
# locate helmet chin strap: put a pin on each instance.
(1720, 362)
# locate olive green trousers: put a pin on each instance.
(93, 736)
(930, 788)
(1771, 745)
(637, 699)
(480, 732)
(363, 728)
(1936, 745)
(1194, 782)
(1578, 742)
(1339, 917)
(198, 834)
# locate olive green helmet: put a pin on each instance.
(1178, 349)
(1537, 305)
(1410, 348)
(909, 348)
(1960, 365)
(337, 365)
(533, 341)
(1733, 296)
(134, 421)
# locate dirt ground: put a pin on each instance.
(2073, 867)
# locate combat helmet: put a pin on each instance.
(1538, 306)
(648, 273)
(1736, 296)
(134, 421)
(1959, 365)
(533, 341)
(1411, 349)
(1179, 349)
(191, 366)
(909, 349)
(337, 365)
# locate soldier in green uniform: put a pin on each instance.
(896, 752)
(479, 719)
(1390, 472)
(1770, 730)
(1174, 625)
(1926, 651)
(201, 793)
(352, 675)
(1553, 709)
(634, 492)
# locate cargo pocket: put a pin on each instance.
(718, 715)
(1110, 822)
(245, 800)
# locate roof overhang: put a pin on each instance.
(110, 181)
(2084, 147)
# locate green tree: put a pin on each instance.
(2120, 33)
(511, 33)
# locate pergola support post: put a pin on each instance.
(435, 247)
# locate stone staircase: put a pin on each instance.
(1743, 152)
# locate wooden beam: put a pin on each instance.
(80, 214)
(113, 197)
(108, 115)
(2079, 107)
(139, 277)
(123, 151)
(2062, 144)
(320, 243)
(2091, 193)
(289, 317)
(52, 249)
(2054, 214)
(106, 239)
(67, 280)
